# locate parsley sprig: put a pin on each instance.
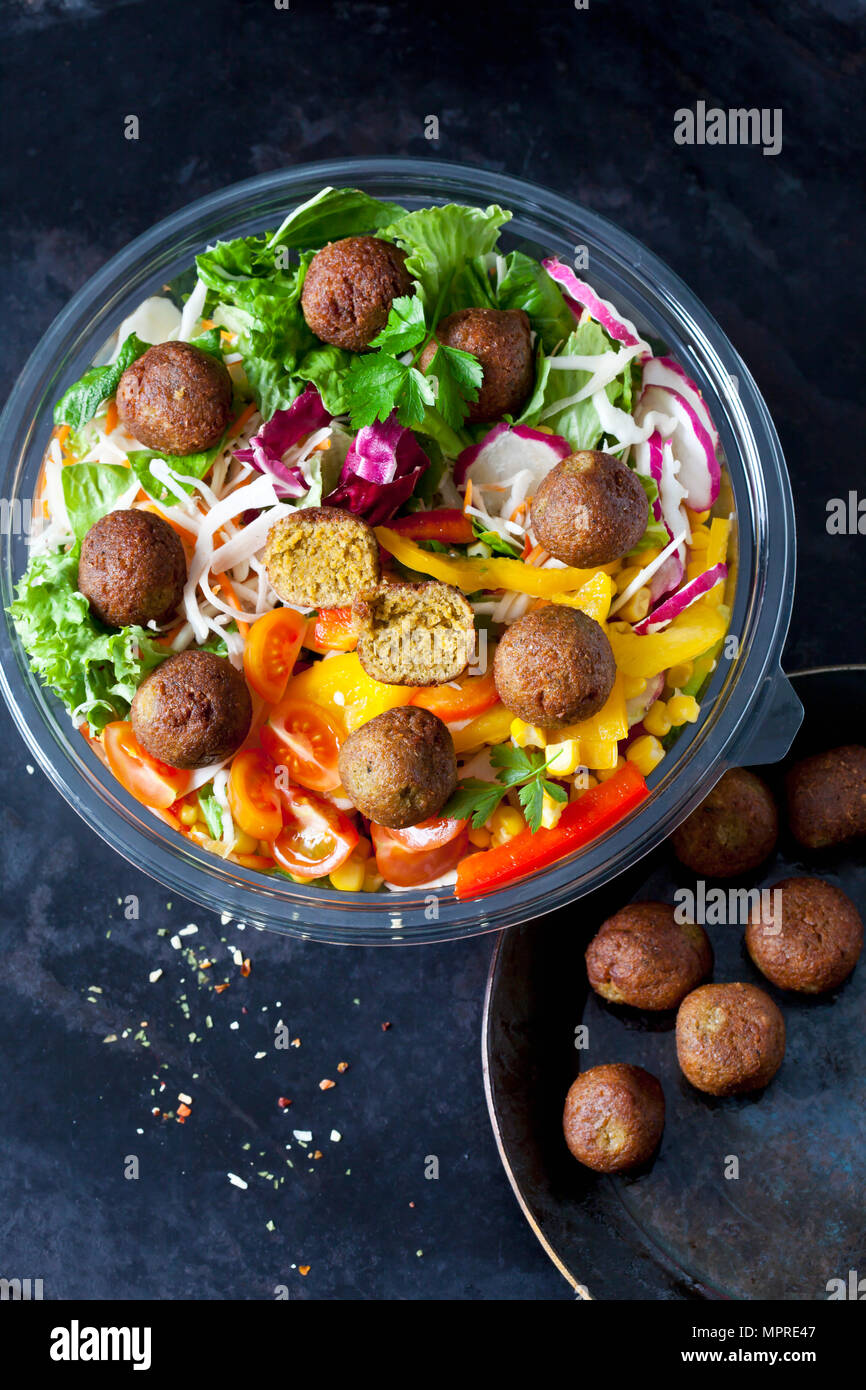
(379, 382)
(476, 800)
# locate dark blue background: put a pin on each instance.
(583, 101)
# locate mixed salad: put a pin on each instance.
(368, 427)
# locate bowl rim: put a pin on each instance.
(366, 918)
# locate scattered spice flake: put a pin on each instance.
(246, 967)
(269, 1226)
(385, 1027)
(112, 1037)
(318, 1153)
(205, 964)
(154, 976)
(182, 1112)
(189, 930)
(235, 1025)
(218, 989)
(304, 1269)
(175, 942)
(327, 1085)
(236, 1181)
(296, 1042)
(208, 1021)
(259, 1055)
(336, 1136)
(185, 1100)
(283, 1102)
(303, 1136)
(342, 1066)
(412, 1204)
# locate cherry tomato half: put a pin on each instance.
(252, 795)
(147, 779)
(333, 630)
(468, 697)
(316, 837)
(429, 834)
(306, 739)
(408, 868)
(271, 650)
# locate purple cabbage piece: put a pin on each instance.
(285, 428)
(382, 468)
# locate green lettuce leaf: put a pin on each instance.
(526, 285)
(439, 241)
(90, 490)
(655, 537)
(334, 213)
(80, 402)
(187, 465)
(94, 670)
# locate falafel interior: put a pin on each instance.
(415, 634)
(322, 557)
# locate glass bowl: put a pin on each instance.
(750, 713)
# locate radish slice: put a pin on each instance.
(508, 449)
(655, 460)
(699, 471)
(578, 295)
(681, 600)
(664, 371)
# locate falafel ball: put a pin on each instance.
(644, 957)
(590, 509)
(827, 797)
(733, 830)
(815, 944)
(400, 768)
(614, 1117)
(132, 568)
(176, 398)
(349, 288)
(322, 557)
(500, 339)
(193, 710)
(554, 667)
(730, 1039)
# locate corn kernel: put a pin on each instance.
(582, 783)
(657, 720)
(679, 675)
(189, 813)
(647, 557)
(637, 606)
(504, 824)
(244, 843)
(479, 838)
(604, 774)
(646, 753)
(700, 538)
(632, 686)
(697, 518)
(550, 811)
(525, 734)
(563, 758)
(373, 880)
(349, 878)
(682, 709)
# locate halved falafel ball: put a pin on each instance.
(400, 768)
(733, 830)
(554, 667)
(414, 634)
(730, 1038)
(349, 288)
(827, 797)
(193, 710)
(500, 339)
(817, 942)
(590, 509)
(644, 957)
(614, 1117)
(322, 557)
(132, 568)
(176, 398)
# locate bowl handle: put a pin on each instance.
(776, 719)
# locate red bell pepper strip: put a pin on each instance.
(581, 821)
(446, 524)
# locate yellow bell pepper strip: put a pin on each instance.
(593, 598)
(690, 634)
(493, 726)
(341, 685)
(581, 821)
(472, 575)
(714, 553)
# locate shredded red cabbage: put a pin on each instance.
(382, 468)
(284, 429)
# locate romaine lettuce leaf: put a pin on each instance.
(440, 240)
(527, 285)
(333, 213)
(80, 402)
(90, 490)
(579, 422)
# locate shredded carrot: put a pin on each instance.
(207, 325)
(467, 501)
(238, 424)
(111, 417)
